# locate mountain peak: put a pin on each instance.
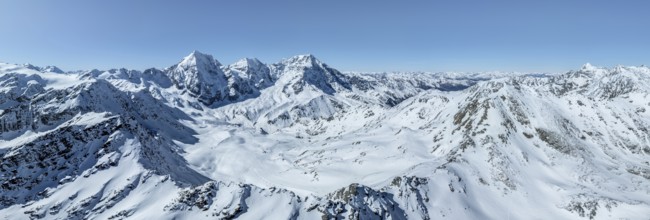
(302, 70)
(30, 66)
(52, 69)
(201, 75)
(198, 59)
(588, 67)
(303, 60)
(247, 62)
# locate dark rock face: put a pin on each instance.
(67, 150)
(201, 76)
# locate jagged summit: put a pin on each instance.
(306, 71)
(51, 69)
(30, 66)
(246, 78)
(302, 60)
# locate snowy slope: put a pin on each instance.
(300, 140)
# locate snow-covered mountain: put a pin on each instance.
(299, 139)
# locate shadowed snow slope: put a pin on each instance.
(300, 140)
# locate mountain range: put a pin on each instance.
(299, 139)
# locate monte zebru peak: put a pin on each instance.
(298, 139)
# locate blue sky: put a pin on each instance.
(363, 35)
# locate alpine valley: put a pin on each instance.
(300, 140)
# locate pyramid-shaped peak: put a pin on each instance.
(31, 66)
(250, 62)
(196, 59)
(196, 53)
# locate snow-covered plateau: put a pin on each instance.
(299, 139)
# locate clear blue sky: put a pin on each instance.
(365, 35)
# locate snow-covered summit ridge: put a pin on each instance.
(199, 61)
(246, 63)
(599, 71)
(51, 69)
(302, 60)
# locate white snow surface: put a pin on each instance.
(300, 140)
